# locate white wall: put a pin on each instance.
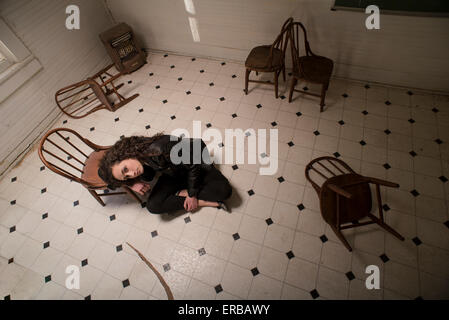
(407, 51)
(67, 56)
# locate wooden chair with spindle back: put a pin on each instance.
(345, 196)
(85, 97)
(269, 58)
(67, 153)
(310, 67)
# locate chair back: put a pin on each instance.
(319, 170)
(296, 29)
(67, 153)
(80, 99)
(281, 41)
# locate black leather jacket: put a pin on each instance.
(163, 163)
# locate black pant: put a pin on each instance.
(163, 198)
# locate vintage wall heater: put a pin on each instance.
(123, 48)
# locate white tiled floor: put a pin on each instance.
(241, 255)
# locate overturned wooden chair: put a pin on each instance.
(67, 153)
(345, 196)
(85, 97)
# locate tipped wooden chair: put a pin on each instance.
(85, 97)
(345, 196)
(269, 58)
(67, 153)
(310, 67)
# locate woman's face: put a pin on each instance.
(127, 169)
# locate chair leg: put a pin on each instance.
(96, 196)
(342, 238)
(386, 227)
(323, 95)
(283, 73)
(123, 102)
(276, 75)
(132, 194)
(292, 88)
(248, 71)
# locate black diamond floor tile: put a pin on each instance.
(218, 288)
(236, 236)
(416, 241)
(384, 258)
(314, 293)
(350, 275)
(255, 271)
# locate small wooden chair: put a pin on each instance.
(345, 196)
(269, 58)
(67, 153)
(85, 97)
(311, 68)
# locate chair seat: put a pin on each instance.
(315, 68)
(356, 208)
(258, 59)
(91, 165)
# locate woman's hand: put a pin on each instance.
(190, 203)
(141, 187)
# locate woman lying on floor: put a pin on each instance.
(188, 185)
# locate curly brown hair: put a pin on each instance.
(134, 147)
